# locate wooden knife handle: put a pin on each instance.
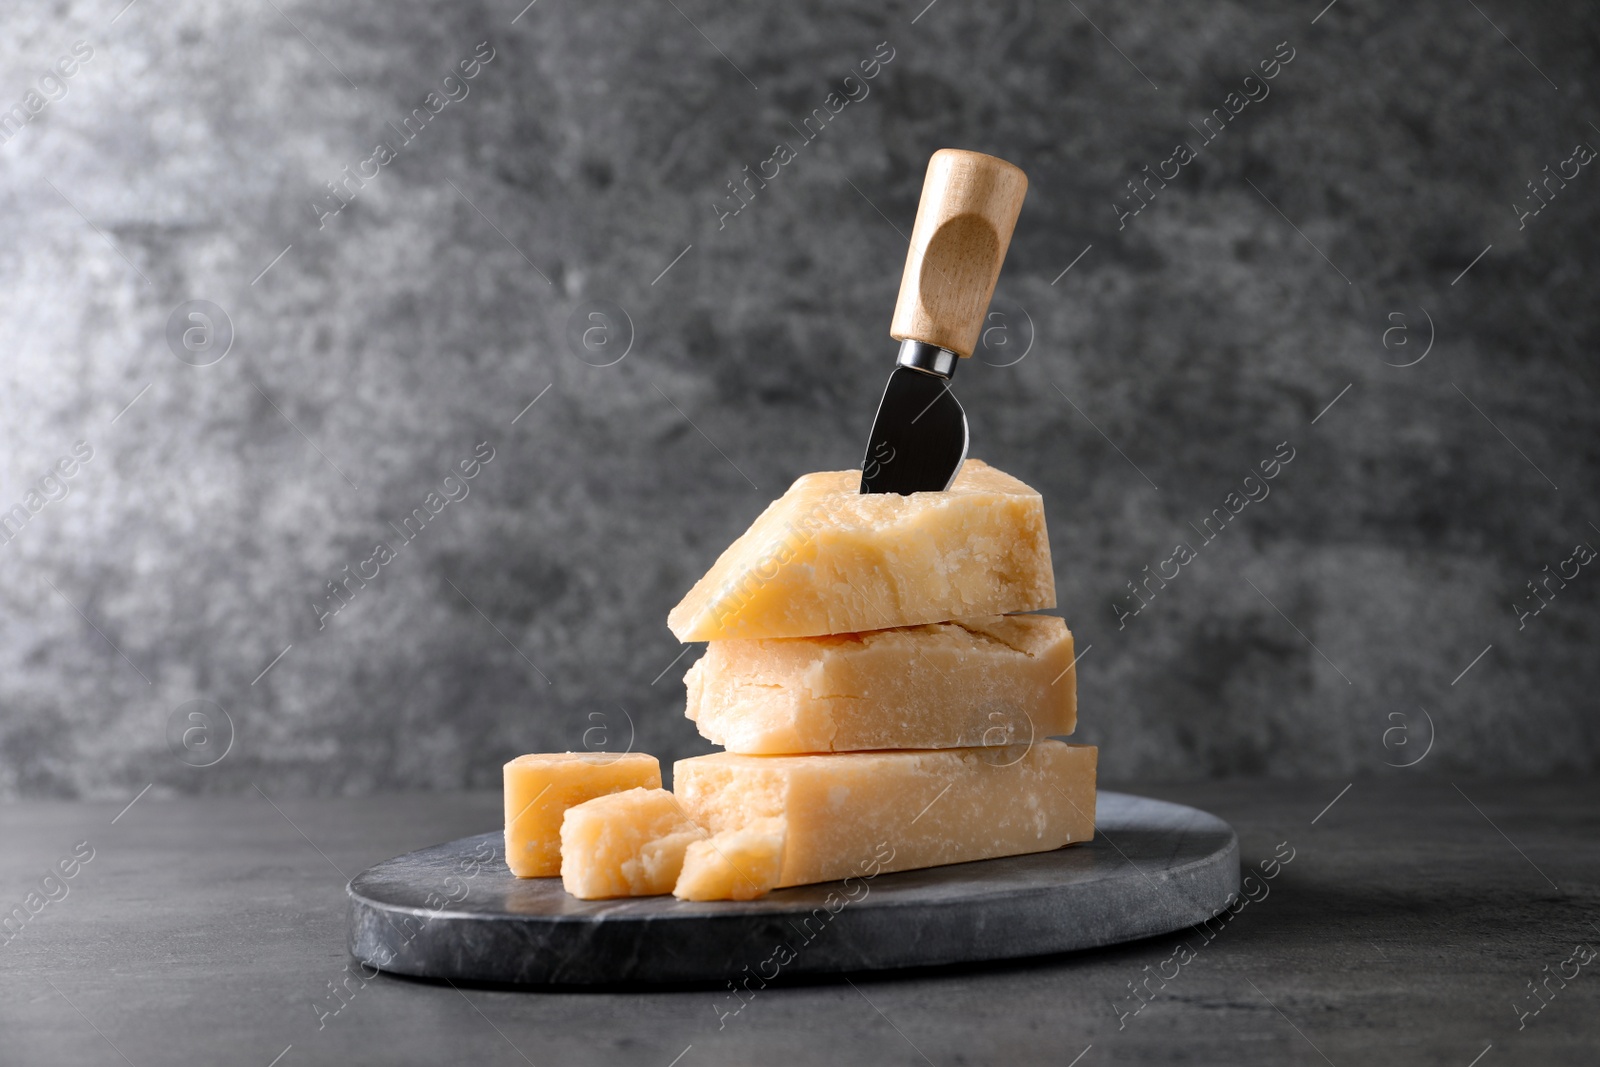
(969, 207)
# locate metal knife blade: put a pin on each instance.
(919, 438)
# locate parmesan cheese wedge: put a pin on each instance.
(740, 864)
(997, 680)
(903, 809)
(827, 559)
(628, 844)
(540, 787)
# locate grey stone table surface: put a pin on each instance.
(1406, 928)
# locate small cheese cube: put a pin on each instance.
(539, 788)
(740, 864)
(997, 680)
(847, 812)
(826, 558)
(627, 844)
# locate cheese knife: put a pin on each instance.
(964, 221)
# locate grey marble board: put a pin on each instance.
(454, 911)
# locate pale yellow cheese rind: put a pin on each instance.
(540, 787)
(827, 559)
(997, 680)
(905, 810)
(740, 864)
(628, 844)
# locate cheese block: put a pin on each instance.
(627, 844)
(539, 788)
(740, 864)
(827, 559)
(997, 680)
(903, 809)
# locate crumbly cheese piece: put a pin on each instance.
(740, 864)
(902, 810)
(997, 680)
(827, 559)
(627, 844)
(539, 788)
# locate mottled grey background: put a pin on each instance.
(378, 351)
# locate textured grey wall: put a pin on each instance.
(591, 149)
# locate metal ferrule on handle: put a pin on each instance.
(929, 359)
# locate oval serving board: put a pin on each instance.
(454, 911)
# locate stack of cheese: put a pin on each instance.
(881, 706)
